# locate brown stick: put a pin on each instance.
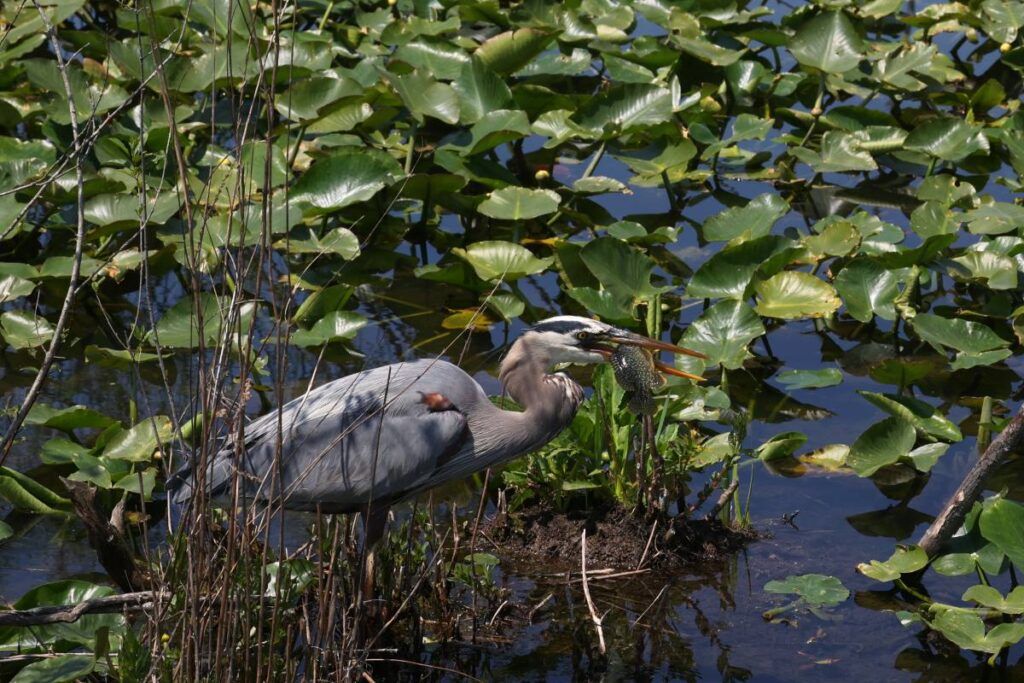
(952, 515)
(113, 549)
(66, 614)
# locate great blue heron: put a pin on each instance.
(366, 441)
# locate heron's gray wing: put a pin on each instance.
(342, 446)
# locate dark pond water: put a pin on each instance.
(706, 624)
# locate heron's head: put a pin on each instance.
(573, 339)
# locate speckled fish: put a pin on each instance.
(637, 375)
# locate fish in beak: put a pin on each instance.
(626, 338)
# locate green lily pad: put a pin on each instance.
(1002, 523)
(962, 335)
(780, 446)
(867, 289)
(818, 590)
(345, 178)
(754, 220)
(881, 444)
(723, 333)
(793, 294)
(904, 560)
(916, 412)
(495, 260)
(828, 42)
(59, 669)
(519, 203)
(810, 379)
(25, 330)
(336, 326)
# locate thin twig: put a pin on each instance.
(586, 592)
(76, 265)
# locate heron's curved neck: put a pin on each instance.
(524, 374)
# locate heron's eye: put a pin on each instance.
(582, 336)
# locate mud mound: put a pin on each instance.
(616, 539)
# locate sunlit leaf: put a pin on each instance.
(1002, 523)
(519, 203)
(962, 335)
(336, 326)
(495, 260)
(904, 560)
(828, 42)
(25, 330)
(867, 289)
(882, 444)
(723, 332)
(818, 590)
(793, 294)
(754, 220)
(347, 177)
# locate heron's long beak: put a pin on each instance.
(654, 345)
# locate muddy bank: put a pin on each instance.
(616, 539)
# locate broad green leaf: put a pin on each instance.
(793, 294)
(831, 457)
(966, 360)
(433, 56)
(80, 633)
(604, 304)
(987, 267)
(916, 412)
(138, 443)
(140, 483)
(867, 289)
(723, 332)
(67, 419)
(507, 261)
(5, 531)
(949, 139)
(346, 177)
(840, 152)
(480, 90)
(424, 96)
(336, 326)
(780, 446)
(179, 327)
(967, 630)
(59, 669)
(308, 99)
(707, 51)
(817, 590)
(621, 269)
(882, 444)
(810, 379)
(962, 335)
(924, 457)
(1002, 523)
(838, 238)
(512, 50)
(340, 241)
(995, 219)
(25, 330)
(728, 273)
(321, 302)
(753, 220)
(828, 42)
(988, 596)
(627, 106)
(904, 560)
(519, 203)
(13, 287)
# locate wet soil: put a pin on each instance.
(616, 539)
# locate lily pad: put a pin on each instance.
(519, 203)
(495, 260)
(793, 294)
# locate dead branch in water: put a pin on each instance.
(106, 536)
(953, 513)
(66, 614)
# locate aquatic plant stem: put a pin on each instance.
(76, 264)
